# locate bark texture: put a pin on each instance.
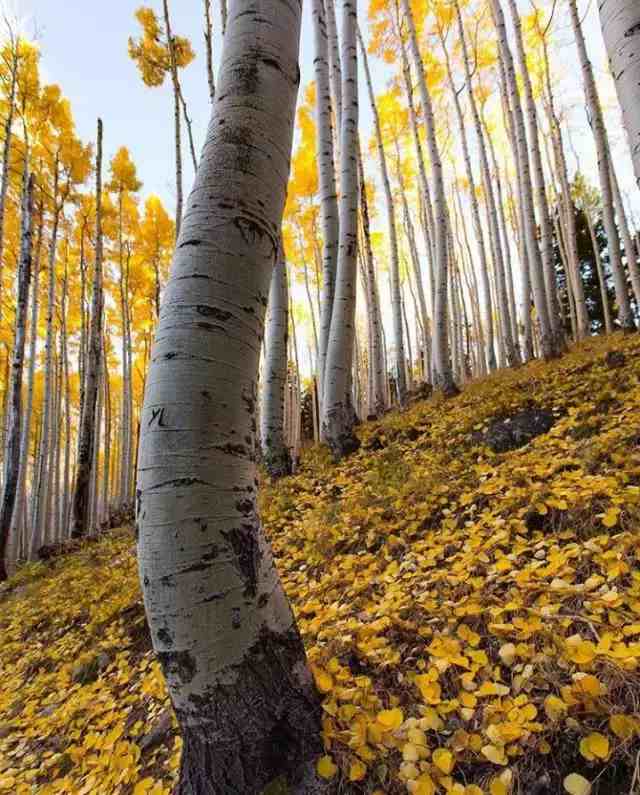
(87, 433)
(12, 449)
(338, 415)
(220, 622)
(275, 454)
(620, 20)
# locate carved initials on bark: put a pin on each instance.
(157, 414)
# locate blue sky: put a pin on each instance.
(84, 49)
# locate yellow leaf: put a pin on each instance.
(610, 518)
(390, 719)
(594, 746)
(554, 707)
(324, 681)
(622, 726)
(143, 786)
(575, 784)
(443, 760)
(507, 654)
(326, 768)
(580, 651)
(498, 787)
(357, 770)
(494, 754)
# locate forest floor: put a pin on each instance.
(472, 617)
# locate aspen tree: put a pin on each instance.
(337, 405)
(596, 119)
(220, 622)
(87, 431)
(12, 449)
(394, 273)
(620, 21)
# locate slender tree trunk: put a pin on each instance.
(378, 402)
(604, 294)
(220, 622)
(536, 264)
(275, 454)
(630, 252)
(327, 182)
(43, 496)
(337, 406)
(620, 21)
(443, 377)
(394, 271)
(508, 340)
(12, 449)
(208, 43)
(176, 115)
(604, 169)
(6, 153)
(539, 187)
(335, 71)
(475, 214)
(87, 431)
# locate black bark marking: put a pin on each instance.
(213, 311)
(240, 737)
(179, 664)
(190, 243)
(235, 617)
(246, 507)
(164, 637)
(157, 414)
(244, 544)
(213, 554)
(632, 31)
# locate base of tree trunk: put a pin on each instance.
(264, 726)
(278, 465)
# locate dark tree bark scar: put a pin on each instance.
(213, 311)
(180, 664)
(243, 542)
(164, 636)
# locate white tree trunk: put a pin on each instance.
(12, 450)
(220, 622)
(327, 181)
(620, 21)
(604, 169)
(275, 454)
(87, 432)
(394, 270)
(443, 376)
(337, 409)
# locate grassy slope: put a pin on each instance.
(473, 619)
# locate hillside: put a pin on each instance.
(472, 617)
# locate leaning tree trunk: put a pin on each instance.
(275, 453)
(539, 187)
(220, 623)
(548, 343)
(625, 316)
(443, 376)
(208, 43)
(176, 116)
(327, 181)
(337, 409)
(6, 154)
(489, 354)
(12, 448)
(620, 20)
(394, 270)
(20, 510)
(80, 507)
(378, 402)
